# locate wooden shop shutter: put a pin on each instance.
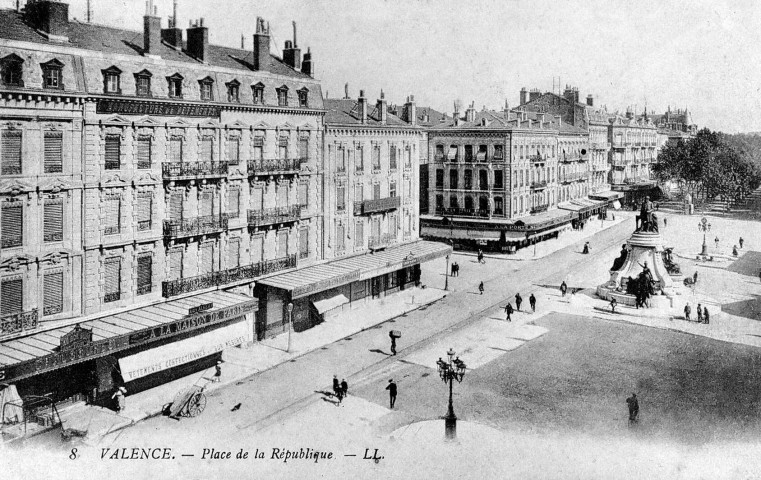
(144, 152)
(207, 204)
(207, 149)
(144, 273)
(113, 275)
(53, 222)
(10, 152)
(113, 152)
(53, 152)
(233, 253)
(176, 206)
(53, 293)
(175, 264)
(13, 225)
(11, 296)
(175, 149)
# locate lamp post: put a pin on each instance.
(290, 325)
(450, 371)
(704, 226)
(446, 275)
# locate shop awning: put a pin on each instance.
(339, 272)
(461, 233)
(546, 219)
(548, 232)
(327, 304)
(570, 206)
(607, 195)
(42, 352)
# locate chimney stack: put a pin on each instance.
(524, 95)
(151, 30)
(534, 94)
(382, 109)
(362, 105)
(470, 113)
(261, 45)
(198, 41)
(50, 18)
(307, 67)
(410, 111)
(590, 100)
(173, 34)
(292, 53)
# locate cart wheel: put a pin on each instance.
(196, 405)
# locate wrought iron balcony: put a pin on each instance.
(223, 277)
(574, 177)
(539, 185)
(18, 322)
(537, 158)
(274, 166)
(381, 241)
(462, 212)
(10, 241)
(539, 208)
(379, 205)
(181, 170)
(270, 216)
(195, 226)
(112, 297)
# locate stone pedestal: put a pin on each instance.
(641, 247)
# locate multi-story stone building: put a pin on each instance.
(370, 214)
(679, 120)
(142, 175)
(633, 149)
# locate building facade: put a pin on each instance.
(633, 149)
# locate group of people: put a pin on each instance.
(702, 312)
(340, 389)
(518, 301)
(455, 269)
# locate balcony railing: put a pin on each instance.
(176, 170)
(379, 205)
(539, 209)
(53, 237)
(195, 226)
(270, 216)
(275, 165)
(223, 277)
(12, 241)
(380, 241)
(537, 158)
(539, 185)
(112, 297)
(18, 322)
(574, 177)
(11, 170)
(463, 212)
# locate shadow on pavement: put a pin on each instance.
(750, 309)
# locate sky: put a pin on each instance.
(700, 54)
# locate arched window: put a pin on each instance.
(11, 70)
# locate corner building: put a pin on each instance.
(148, 182)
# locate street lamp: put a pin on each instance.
(704, 226)
(446, 275)
(449, 372)
(290, 325)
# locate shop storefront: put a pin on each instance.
(584, 210)
(138, 349)
(315, 293)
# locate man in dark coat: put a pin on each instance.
(518, 301)
(633, 408)
(391, 392)
(344, 388)
(564, 287)
(706, 315)
(393, 342)
(532, 302)
(508, 311)
(336, 387)
(481, 288)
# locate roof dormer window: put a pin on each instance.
(11, 71)
(282, 96)
(52, 75)
(175, 85)
(258, 90)
(112, 80)
(233, 91)
(303, 97)
(207, 93)
(143, 84)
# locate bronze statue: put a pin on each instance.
(646, 220)
(621, 260)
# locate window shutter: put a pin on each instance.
(207, 256)
(12, 223)
(304, 149)
(112, 215)
(340, 198)
(113, 152)
(112, 276)
(175, 264)
(144, 152)
(283, 147)
(175, 149)
(304, 243)
(257, 249)
(282, 244)
(143, 212)
(233, 199)
(303, 194)
(233, 253)
(53, 222)
(257, 199)
(340, 238)
(11, 296)
(53, 152)
(207, 149)
(376, 191)
(359, 234)
(53, 294)
(144, 273)
(282, 196)
(176, 206)
(207, 204)
(233, 150)
(10, 152)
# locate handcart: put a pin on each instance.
(189, 402)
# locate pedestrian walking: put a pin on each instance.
(393, 342)
(633, 408)
(336, 388)
(699, 311)
(706, 316)
(119, 395)
(687, 311)
(695, 277)
(734, 250)
(452, 269)
(741, 242)
(665, 222)
(564, 287)
(391, 392)
(481, 256)
(481, 288)
(613, 303)
(508, 311)
(716, 241)
(518, 301)
(456, 269)
(217, 372)
(344, 388)
(532, 302)
(586, 248)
